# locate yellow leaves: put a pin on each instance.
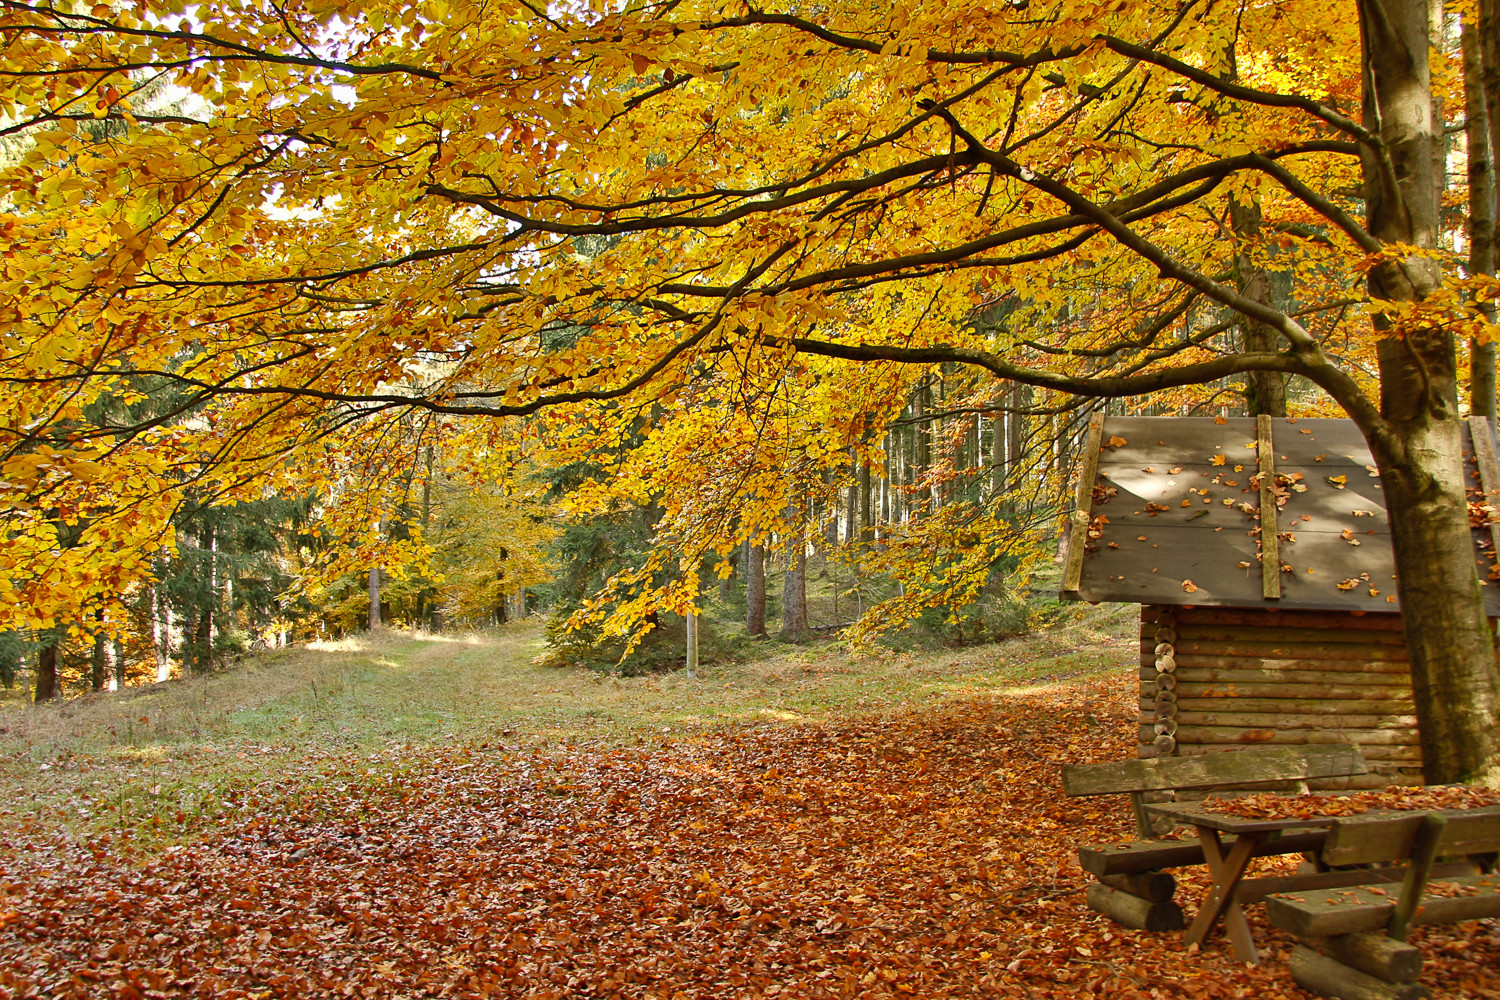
(211, 244)
(85, 471)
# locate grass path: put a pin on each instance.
(169, 762)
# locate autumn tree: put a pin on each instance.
(694, 208)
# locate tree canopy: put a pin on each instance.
(724, 243)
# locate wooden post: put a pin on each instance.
(1489, 473)
(1423, 853)
(1078, 537)
(1270, 545)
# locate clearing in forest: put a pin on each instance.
(448, 819)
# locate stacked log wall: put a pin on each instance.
(1241, 677)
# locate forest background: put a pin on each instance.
(313, 309)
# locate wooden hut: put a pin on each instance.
(1260, 554)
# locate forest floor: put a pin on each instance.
(411, 816)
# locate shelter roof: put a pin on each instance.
(1172, 514)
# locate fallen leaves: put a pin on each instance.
(926, 854)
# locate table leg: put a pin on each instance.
(1226, 873)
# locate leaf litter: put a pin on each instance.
(927, 854)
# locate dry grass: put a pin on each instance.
(169, 761)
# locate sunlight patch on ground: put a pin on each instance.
(353, 644)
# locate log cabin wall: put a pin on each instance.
(1219, 678)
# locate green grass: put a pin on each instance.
(169, 762)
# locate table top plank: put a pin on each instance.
(1201, 814)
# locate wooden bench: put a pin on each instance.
(1133, 890)
(1358, 934)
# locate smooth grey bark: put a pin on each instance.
(921, 464)
(997, 453)
(1020, 399)
(1489, 43)
(374, 597)
(1418, 445)
(161, 625)
(888, 473)
(96, 661)
(1482, 218)
(851, 523)
(794, 594)
(866, 505)
(1265, 392)
(755, 590)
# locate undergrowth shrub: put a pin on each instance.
(990, 619)
(663, 650)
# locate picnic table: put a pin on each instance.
(1253, 838)
(1230, 891)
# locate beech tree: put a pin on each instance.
(677, 217)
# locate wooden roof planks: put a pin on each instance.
(1173, 515)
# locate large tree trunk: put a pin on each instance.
(755, 590)
(794, 595)
(46, 671)
(1419, 447)
(851, 523)
(161, 625)
(201, 640)
(1489, 39)
(921, 452)
(1265, 392)
(866, 505)
(115, 665)
(374, 599)
(1020, 400)
(96, 663)
(1481, 214)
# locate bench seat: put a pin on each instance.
(1325, 912)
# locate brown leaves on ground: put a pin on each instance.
(930, 855)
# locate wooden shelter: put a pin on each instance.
(1260, 554)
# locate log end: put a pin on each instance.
(1134, 911)
(1329, 977)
